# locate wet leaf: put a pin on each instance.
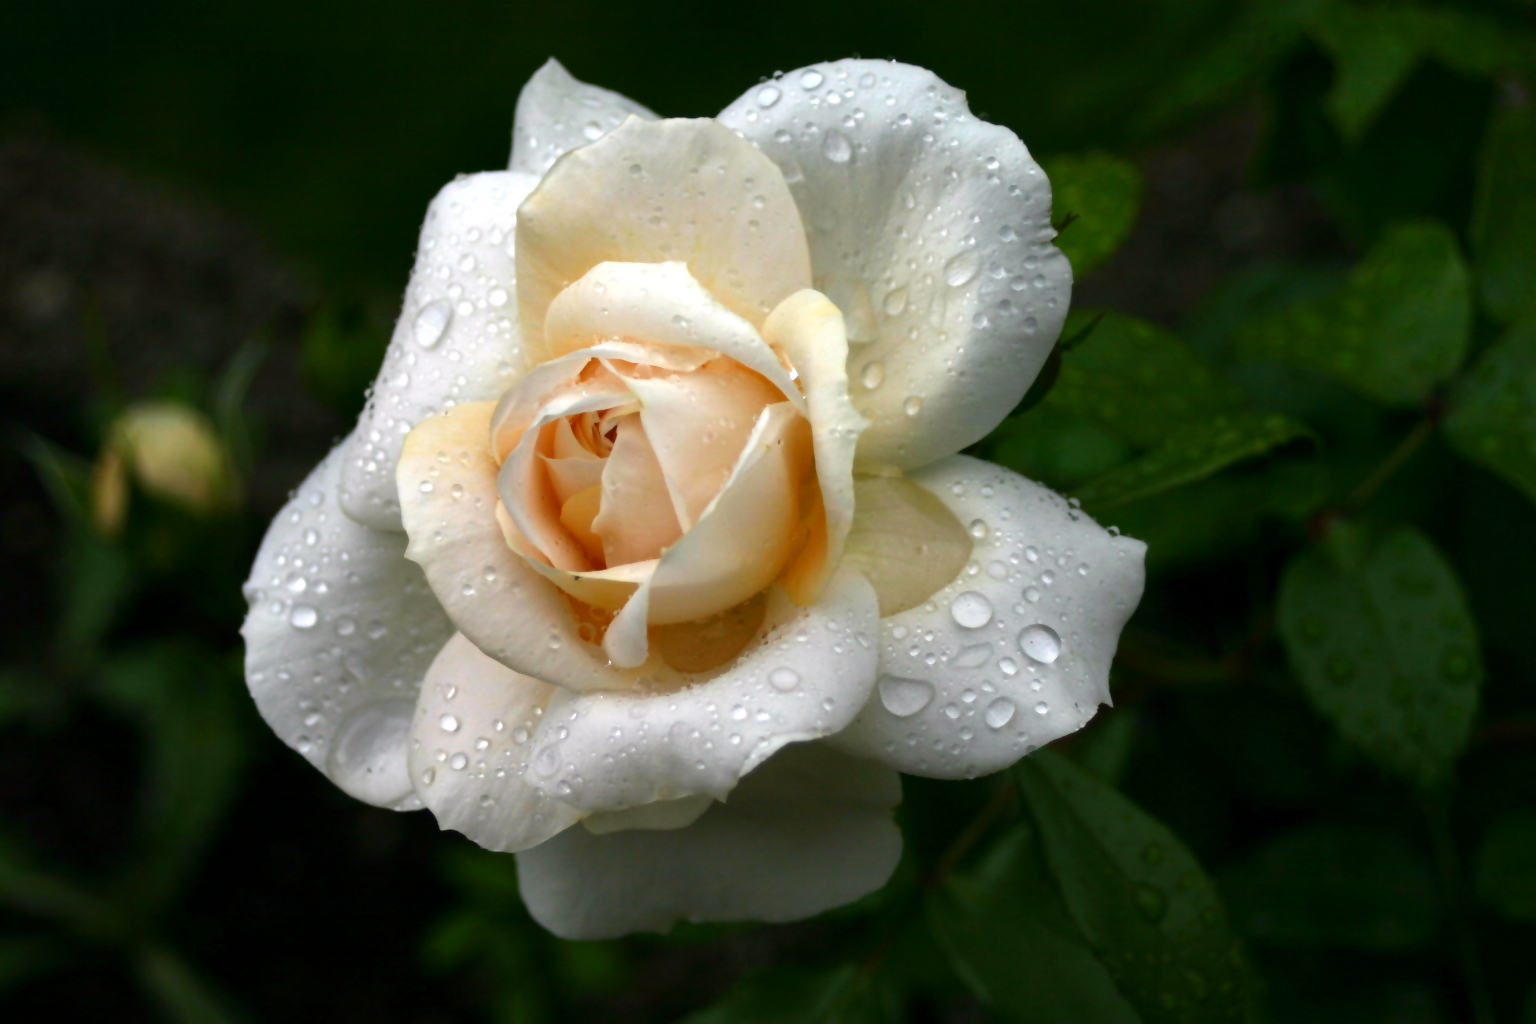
(1397, 327)
(1328, 885)
(1377, 630)
(1505, 869)
(1493, 410)
(1192, 452)
(1014, 943)
(1138, 896)
(1503, 229)
(1101, 194)
(1373, 50)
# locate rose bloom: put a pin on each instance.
(651, 558)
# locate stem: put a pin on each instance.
(1391, 464)
(1002, 799)
(1448, 862)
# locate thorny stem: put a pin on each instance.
(1437, 814)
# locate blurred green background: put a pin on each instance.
(1301, 365)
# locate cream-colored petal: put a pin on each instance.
(806, 832)
(492, 595)
(549, 392)
(1020, 641)
(609, 589)
(931, 230)
(456, 339)
(340, 631)
(556, 113)
(470, 741)
(809, 329)
(905, 541)
(652, 191)
(739, 545)
(805, 676)
(636, 521)
(568, 476)
(662, 304)
(663, 815)
(697, 424)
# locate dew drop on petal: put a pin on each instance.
(448, 723)
(431, 322)
(303, 616)
(767, 96)
(1041, 643)
(904, 697)
(999, 713)
(971, 610)
(836, 147)
(784, 679)
(959, 270)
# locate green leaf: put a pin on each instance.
(1192, 452)
(1138, 896)
(1493, 409)
(1105, 744)
(182, 996)
(1373, 49)
(1101, 194)
(1505, 869)
(1013, 942)
(1398, 326)
(26, 888)
(1056, 446)
(1140, 381)
(1326, 885)
(1381, 638)
(25, 957)
(1503, 231)
(789, 994)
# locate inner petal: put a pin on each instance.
(635, 519)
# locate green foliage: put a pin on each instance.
(1379, 633)
(791, 994)
(1493, 410)
(1504, 213)
(1505, 869)
(1094, 200)
(1397, 327)
(1327, 885)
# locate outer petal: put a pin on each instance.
(556, 113)
(807, 677)
(931, 230)
(470, 746)
(1015, 651)
(653, 191)
(808, 831)
(491, 593)
(456, 339)
(340, 631)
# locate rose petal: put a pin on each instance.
(652, 191)
(808, 831)
(456, 339)
(491, 593)
(659, 303)
(636, 521)
(340, 631)
(556, 113)
(905, 541)
(470, 742)
(661, 815)
(739, 545)
(918, 180)
(806, 677)
(808, 328)
(1023, 638)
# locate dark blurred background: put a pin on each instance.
(215, 208)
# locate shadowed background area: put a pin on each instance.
(1302, 366)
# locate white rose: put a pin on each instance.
(651, 558)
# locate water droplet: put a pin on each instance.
(458, 762)
(895, 301)
(974, 656)
(738, 713)
(1153, 854)
(497, 297)
(767, 96)
(912, 406)
(1008, 666)
(810, 80)
(904, 697)
(346, 626)
(1042, 708)
(1031, 594)
(999, 713)
(979, 529)
(873, 375)
(303, 616)
(836, 147)
(428, 776)
(972, 610)
(448, 723)
(962, 268)
(1341, 668)
(1041, 643)
(431, 322)
(784, 679)
(1151, 902)
(367, 756)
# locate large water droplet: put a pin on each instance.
(974, 656)
(303, 616)
(904, 697)
(912, 406)
(368, 755)
(810, 80)
(1041, 643)
(962, 268)
(895, 301)
(836, 147)
(431, 322)
(999, 713)
(972, 610)
(873, 375)
(784, 679)
(767, 96)
(448, 723)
